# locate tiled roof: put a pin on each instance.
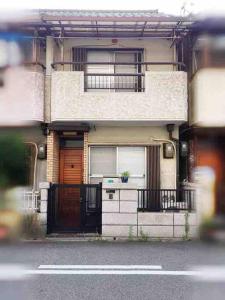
(104, 13)
(104, 23)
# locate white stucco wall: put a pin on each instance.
(164, 99)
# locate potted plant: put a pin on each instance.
(124, 176)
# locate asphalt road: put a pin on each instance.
(151, 270)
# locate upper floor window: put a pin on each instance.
(115, 70)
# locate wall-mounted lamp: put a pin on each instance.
(183, 149)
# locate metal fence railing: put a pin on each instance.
(75, 208)
(30, 201)
(166, 200)
(118, 82)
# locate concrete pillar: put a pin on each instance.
(49, 54)
(44, 187)
(49, 70)
(119, 210)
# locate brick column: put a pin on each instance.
(53, 157)
(85, 160)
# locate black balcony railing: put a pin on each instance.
(81, 64)
(125, 81)
(128, 82)
(166, 200)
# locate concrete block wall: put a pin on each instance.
(44, 187)
(167, 225)
(119, 210)
(120, 217)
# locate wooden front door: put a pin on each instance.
(71, 172)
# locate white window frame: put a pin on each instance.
(117, 173)
(112, 67)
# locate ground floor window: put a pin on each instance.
(107, 161)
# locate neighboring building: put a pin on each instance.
(22, 99)
(114, 98)
(205, 133)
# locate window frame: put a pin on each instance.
(117, 175)
(139, 52)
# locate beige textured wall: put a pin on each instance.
(22, 97)
(208, 94)
(47, 105)
(139, 136)
(165, 99)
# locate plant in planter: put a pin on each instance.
(124, 176)
(13, 173)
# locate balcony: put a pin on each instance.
(22, 97)
(159, 96)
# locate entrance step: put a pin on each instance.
(72, 236)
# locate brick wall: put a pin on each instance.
(53, 157)
(85, 162)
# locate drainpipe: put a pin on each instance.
(35, 164)
(170, 129)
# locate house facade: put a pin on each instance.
(110, 90)
(205, 133)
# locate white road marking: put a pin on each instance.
(12, 272)
(111, 272)
(102, 267)
(200, 273)
(211, 273)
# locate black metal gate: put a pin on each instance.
(74, 208)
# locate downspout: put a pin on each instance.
(170, 129)
(35, 164)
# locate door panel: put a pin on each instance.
(212, 155)
(71, 172)
(71, 166)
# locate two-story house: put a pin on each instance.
(115, 96)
